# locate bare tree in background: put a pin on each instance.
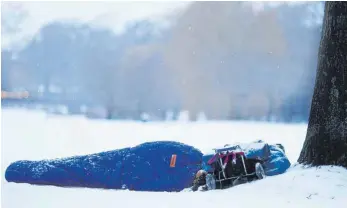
(217, 47)
(326, 139)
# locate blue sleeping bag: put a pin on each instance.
(145, 167)
(277, 163)
(275, 160)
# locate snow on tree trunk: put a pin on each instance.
(326, 138)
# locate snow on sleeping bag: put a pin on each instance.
(275, 160)
(152, 166)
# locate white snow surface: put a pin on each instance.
(33, 135)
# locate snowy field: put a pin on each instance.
(33, 135)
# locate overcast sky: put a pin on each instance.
(22, 20)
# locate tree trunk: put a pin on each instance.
(326, 138)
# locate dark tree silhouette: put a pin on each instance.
(326, 139)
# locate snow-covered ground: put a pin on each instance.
(34, 135)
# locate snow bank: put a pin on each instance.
(145, 167)
(33, 136)
(298, 188)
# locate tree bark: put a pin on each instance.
(326, 138)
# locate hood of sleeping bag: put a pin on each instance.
(152, 166)
(274, 157)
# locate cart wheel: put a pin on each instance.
(210, 182)
(259, 171)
